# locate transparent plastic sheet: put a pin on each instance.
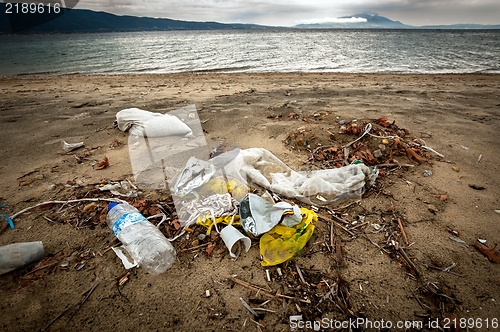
(158, 160)
(321, 187)
(180, 162)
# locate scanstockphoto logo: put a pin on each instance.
(19, 16)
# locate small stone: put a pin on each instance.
(497, 211)
(51, 187)
(202, 236)
(385, 141)
(195, 243)
(39, 177)
(377, 153)
(456, 169)
(342, 122)
(27, 182)
(432, 208)
(477, 187)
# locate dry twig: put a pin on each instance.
(259, 289)
(403, 233)
(78, 305)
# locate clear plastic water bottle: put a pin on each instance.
(144, 242)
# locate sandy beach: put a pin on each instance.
(456, 115)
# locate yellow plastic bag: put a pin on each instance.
(282, 243)
(206, 221)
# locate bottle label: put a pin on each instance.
(126, 220)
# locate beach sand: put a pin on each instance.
(456, 115)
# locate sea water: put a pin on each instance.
(343, 51)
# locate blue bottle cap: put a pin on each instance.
(112, 205)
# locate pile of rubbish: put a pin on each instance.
(221, 188)
(241, 194)
(238, 193)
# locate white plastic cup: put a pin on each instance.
(231, 235)
(17, 255)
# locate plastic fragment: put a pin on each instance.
(426, 172)
(259, 216)
(71, 146)
(122, 253)
(456, 239)
(11, 223)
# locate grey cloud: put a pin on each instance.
(274, 12)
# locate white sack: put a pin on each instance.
(144, 123)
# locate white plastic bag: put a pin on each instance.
(261, 167)
(144, 123)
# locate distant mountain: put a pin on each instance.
(372, 22)
(83, 20)
(380, 22)
(461, 26)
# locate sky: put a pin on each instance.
(292, 12)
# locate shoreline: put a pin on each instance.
(216, 72)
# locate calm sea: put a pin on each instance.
(349, 51)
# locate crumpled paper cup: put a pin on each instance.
(231, 235)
